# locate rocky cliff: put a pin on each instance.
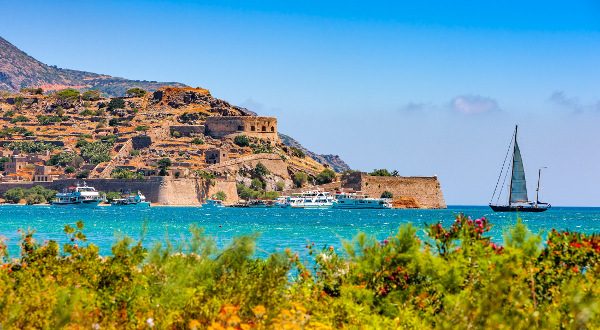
(19, 70)
(333, 161)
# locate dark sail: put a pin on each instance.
(518, 185)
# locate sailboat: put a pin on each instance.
(517, 194)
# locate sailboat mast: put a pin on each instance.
(512, 167)
(537, 191)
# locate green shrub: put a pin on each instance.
(14, 195)
(454, 277)
(297, 152)
(3, 160)
(197, 141)
(387, 194)
(280, 185)
(34, 195)
(220, 195)
(47, 120)
(30, 146)
(257, 184)
(326, 176)
(135, 92)
(116, 103)
(141, 128)
(95, 152)
(83, 174)
(261, 171)
(19, 119)
(241, 140)
(381, 172)
(300, 179)
(69, 169)
(87, 112)
(91, 95)
(121, 173)
(112, 195)
(68, 94)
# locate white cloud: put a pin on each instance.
(416, 107)
(573, 104)
(473, 104)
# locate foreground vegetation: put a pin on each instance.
(453, 278)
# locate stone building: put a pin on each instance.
(252, 126)
(215, 156)
(16, 164)
(43, 173)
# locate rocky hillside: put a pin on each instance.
(19, 70)
(333, 161)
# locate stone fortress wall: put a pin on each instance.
(408, 191)
(158, 190)
(252, 126)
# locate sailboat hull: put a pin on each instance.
(520, 208)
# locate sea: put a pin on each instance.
(277, 228)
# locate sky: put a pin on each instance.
(424, 87)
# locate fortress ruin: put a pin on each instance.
(252, 126)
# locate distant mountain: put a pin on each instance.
(19, 70)
(333, 161)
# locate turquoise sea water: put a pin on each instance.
(278, 228)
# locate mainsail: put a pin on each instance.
(518, 186)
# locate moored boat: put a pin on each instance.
(78, 195)
(518, 201)
(132, 200)
(360, 201)
(314, 199)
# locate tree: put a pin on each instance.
(280, 185)
(68, 94)
(95, 152)
(83, 174)
(387, 194)
(241, 140)
(14, 195)
(300, 178)
(380, 172)
(69, 169)
(2, 161)
(91, 95)
(326, 176)
(135, 92)
(63, 159)
(260, 170)
(112, 195)
(116, 103)
(257, 184)
(220, 195)
(163, 165)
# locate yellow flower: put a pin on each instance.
(259, 310)
(194, 324)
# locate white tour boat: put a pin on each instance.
(360, 201)
(314, 199)
(132, 200)
(78, 195)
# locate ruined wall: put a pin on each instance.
(253, 126)
(187, 130)
(227, 186)
(421, 192)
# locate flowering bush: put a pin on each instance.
(455, 277)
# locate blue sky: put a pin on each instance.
(427, 87)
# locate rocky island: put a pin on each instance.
(177, 144)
